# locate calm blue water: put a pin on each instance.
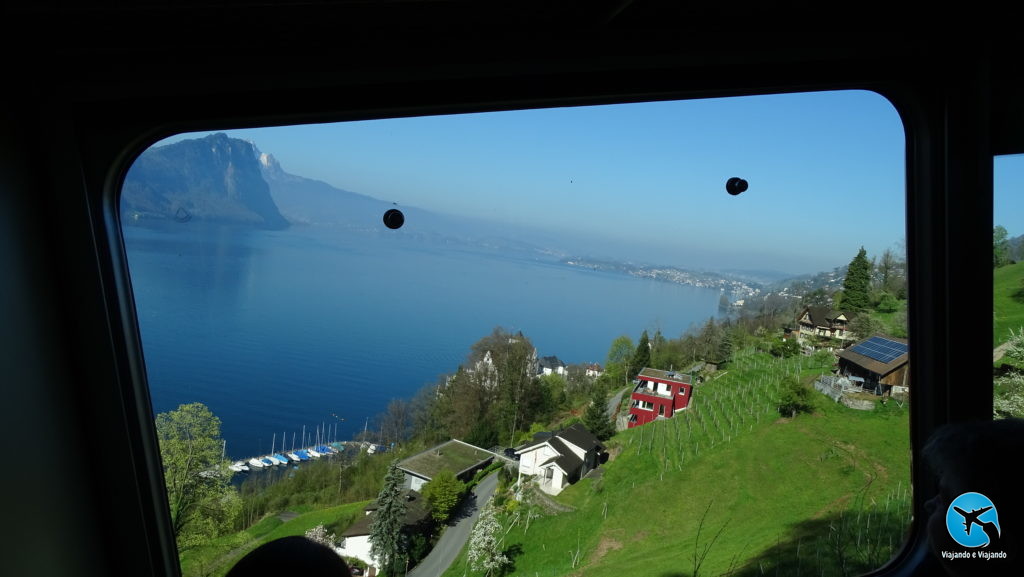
(279, 330)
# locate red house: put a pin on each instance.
(658, 395)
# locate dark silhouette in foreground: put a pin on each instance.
(291, 556)
(979, 457)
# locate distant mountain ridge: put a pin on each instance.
(228, 180)
(215, 178)
(307, 201)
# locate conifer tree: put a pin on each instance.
(856, 285)
(595, 418)
(386, 540)
(726, 346)
(642, 356)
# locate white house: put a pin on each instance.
(356, 539)
(560, 459)
(551, 366)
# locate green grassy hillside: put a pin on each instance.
(821, 491)
(1008, 301)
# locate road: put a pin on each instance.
(613, 403)
(455, 536)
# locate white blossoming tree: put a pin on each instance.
(320, 535)
(485, 552)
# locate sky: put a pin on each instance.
(826, 174)
(1007, 189)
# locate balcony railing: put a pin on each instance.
(642, 390)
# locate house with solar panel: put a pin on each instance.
(878, 363)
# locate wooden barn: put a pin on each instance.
(879, 363)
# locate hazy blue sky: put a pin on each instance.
(1008, 189)
(826, 174)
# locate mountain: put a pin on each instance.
(215, 179)
(307, 201)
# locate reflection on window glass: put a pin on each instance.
(1008, 286)
(566, 312)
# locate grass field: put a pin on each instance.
(1008, 311)
(826, 493)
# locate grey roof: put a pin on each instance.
(575, 434)
(822, 316)
(567, 461)
(550, 362)
(578, 435)
(675, 376)
(416, 510)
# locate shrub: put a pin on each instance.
(796, 398)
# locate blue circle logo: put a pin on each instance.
(972, 520)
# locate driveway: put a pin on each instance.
(613, 403)
(455, 536)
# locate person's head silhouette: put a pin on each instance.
(291, 556)
(977, 515)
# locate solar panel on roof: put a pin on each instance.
(881, 350)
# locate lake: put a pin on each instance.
(315, 327)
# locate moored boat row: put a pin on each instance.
(297, 456)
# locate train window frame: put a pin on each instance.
(926, 160)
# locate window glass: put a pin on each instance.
(328, 310)
(1008, 286)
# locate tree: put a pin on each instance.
(726, 346)
(1000, 247)
(551, 396)
(823, 359)
(863, 325)
(888, 303)
(320, 535)
(642, 356)
(785, 348)
(507, 364)
(443, 492)
(485, 552)
(892, 277)
(595, 418)
(856, 285)
(396, 422)
(710, 340)
(796, 398)
(620, 356)
(202, 501)
(386, 540)
(816, 298)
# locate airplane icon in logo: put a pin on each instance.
(972, 517)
